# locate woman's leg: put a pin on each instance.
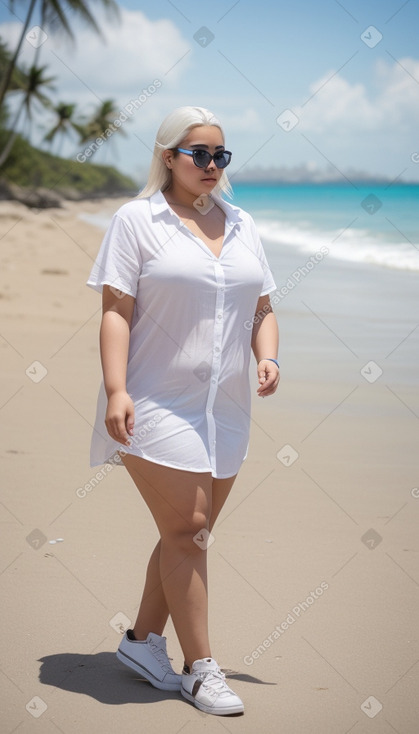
(220, 491)
(153, 611)
(180, 503)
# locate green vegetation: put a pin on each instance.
(54, 15)
(29, 167)
(20, 163)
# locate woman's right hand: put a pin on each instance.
(120, 417)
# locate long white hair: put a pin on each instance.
(171, 132)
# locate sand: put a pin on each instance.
(313, 572)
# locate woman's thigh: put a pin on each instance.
(180, 501)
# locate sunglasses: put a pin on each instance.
(202, 158)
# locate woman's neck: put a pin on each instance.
(179, 197)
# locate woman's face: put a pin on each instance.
(185, 174)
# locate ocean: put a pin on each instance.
(375, 225)
(358, 303)
(378, 225)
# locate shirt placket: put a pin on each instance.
(216, 359)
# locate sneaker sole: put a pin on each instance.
(130, 663)
(210, 709)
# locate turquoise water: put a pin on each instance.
(378, 225)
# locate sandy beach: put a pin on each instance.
(314, 570)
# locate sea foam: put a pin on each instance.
(351, 245)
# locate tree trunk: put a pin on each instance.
(4, 85)
(9, 145)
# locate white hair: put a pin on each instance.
(171, 132)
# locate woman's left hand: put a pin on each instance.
(268, 375)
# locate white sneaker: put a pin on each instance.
(149, 659)
(205, 686)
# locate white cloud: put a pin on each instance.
(136, 51)
(246, 120)
(341, 107)
(118, 65)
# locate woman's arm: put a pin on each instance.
(265, 341)
(117, 310)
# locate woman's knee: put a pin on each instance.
(189, 538)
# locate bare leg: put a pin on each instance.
(153, 612)
(181, 504)
(220, 491)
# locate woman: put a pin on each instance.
(185, 285)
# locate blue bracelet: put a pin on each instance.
(271, 360)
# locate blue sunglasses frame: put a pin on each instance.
(219, 156)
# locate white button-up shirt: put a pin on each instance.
(190, 342)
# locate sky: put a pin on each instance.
(316, 84)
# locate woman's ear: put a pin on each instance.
(167, 156)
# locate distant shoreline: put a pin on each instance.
(361, 182)
(46, 198)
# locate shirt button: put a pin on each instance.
(217, 349)
(220, 316)
(213, 380)
(209, 410)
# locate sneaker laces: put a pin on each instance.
(161, 656)
(213, 679)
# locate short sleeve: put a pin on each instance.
(268, 284)
(268, 281)
(119, 261)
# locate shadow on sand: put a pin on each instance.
(104, 678)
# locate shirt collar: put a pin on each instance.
(233, 213)
(159, 205)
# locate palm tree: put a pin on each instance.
(100, 123)
(34, 85)
(54, 13)
(65, 123)
(5, 82)
(100, 120)
(17, 80)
